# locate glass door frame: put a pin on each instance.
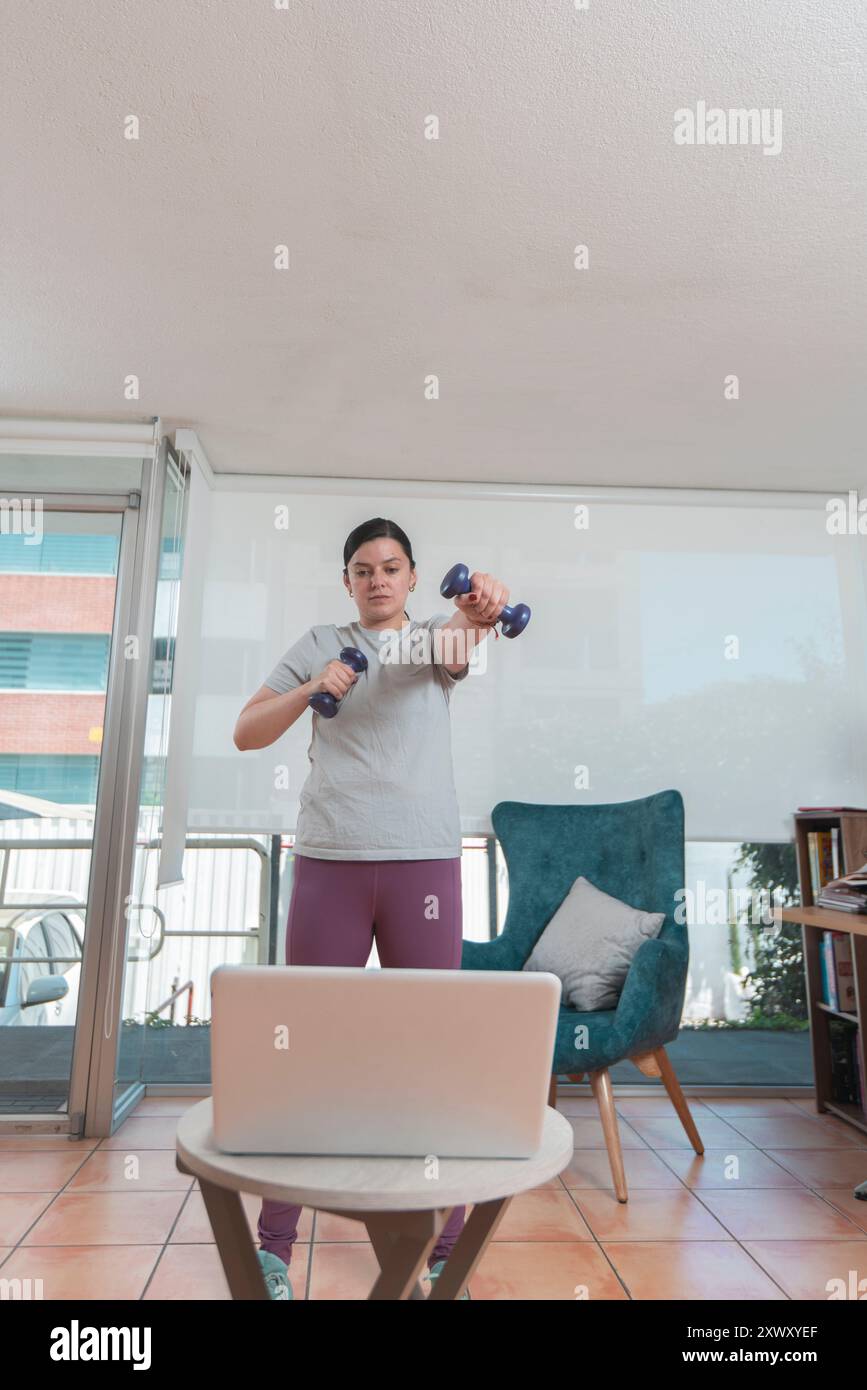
(95, 1065)
(90, 1109)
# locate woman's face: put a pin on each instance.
(379, 577)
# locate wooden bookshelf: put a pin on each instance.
(852, 840)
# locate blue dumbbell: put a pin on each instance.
(514, 620)
(323, 701)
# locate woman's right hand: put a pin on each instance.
(336, 678)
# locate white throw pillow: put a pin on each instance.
(590, 943)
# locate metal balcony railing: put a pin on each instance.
(262, 932)
(163, 933)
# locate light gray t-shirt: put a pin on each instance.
(381, 780)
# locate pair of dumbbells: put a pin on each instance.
(457, 581)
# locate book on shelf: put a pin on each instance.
(825, 973)
(847, 1083)
(838, 979)
(848, 893)
(841, 903)
(823, 854)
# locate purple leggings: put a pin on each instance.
(336, 908)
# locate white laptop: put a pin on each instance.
(349, 1060)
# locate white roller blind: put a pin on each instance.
(186, 681)
(707, 642)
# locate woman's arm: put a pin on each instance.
(267, 715)
(468, 635)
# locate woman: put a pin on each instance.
(378, 828)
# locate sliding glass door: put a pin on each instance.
(90, 550)
(60, 562)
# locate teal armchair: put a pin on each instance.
(633, 850)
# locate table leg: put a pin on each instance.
(402, 1241)
(235, 1244)
(469, 1248)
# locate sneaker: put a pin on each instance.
(276, 1274)
(435, 1272)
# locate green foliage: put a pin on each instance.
(771, 866)
(735, 948)
(777, 1023)
(779, 1000)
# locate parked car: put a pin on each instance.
(38, 984)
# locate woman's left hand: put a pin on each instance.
(485, 601)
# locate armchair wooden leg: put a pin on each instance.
(678, 1099)
(552, 1092)
(646, 1063)
(601, 1084)
(657, 1063)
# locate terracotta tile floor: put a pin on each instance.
(766, 1212)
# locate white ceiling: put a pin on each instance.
(304, 126)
